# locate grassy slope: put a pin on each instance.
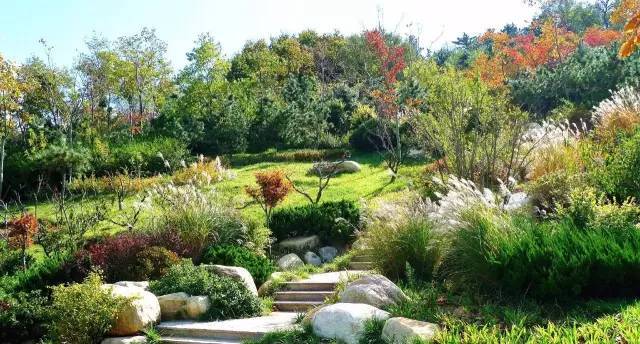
(373, 182)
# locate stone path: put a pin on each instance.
(296, 297)
(361, 262)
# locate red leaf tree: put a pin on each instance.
(21, 233)
(272, 188)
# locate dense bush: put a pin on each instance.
(22, 316)
(229, 299)
(619, 176)
(547, 261)
(154, 262)
(140, 156)
(40, 275)
(334, 222)
(132, 256)
(83, 313)
(259, 266)
(298, 155)
(10, 260)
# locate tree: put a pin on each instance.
(10, 97)
(273, 187)
(21, 233)
(391, 62)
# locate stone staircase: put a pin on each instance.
(302, 296)
(224, 332)
(362, 262)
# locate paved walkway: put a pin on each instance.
(332, 277)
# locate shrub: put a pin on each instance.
(364, 139)
(83, 313)
(120, 182)
(229, 299)
(11, 260)
(298, 155)
(141, 156)
(154, 262)
(552, 190)
(408, 243)
(554, 260)
(619, 177)
(618, 114)
(334, 222)
(200, 173)
(260, 267)
(39, 276)
(22, 316)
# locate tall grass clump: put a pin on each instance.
(406, 244)
(619, 113)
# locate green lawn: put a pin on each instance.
(370, 184)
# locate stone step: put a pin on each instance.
(223, 332)
(188, 340)
(361, 265)
(309, 286)
(316, 296)
(362, 258)
(296, 306)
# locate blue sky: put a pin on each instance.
(66, 24)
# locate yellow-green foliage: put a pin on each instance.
(200, 173)
(119, 183)
(83, 313)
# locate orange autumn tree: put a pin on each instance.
(628, 11)
(272, 188)
(599, 37)
(525, 52)
(22, 230)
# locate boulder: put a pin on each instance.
(237, 273)
(183, 306)
(290, 261)
(328, 253)
(144, 285)
(344, 321)
(312, 258)
(403, 330)
(374, 290)
(325, 168)
(299, 244)
(141, 312)
(125, 340)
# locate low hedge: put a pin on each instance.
(298, 155)
(333, 222)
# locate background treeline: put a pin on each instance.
(121, 103)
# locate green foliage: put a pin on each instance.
(552, 190)
(154, 262)
(334, 222)
(22, 316)
(83, 313)
(546, 261)
(298, 155)
(40, 275)
(229, 299)
(619, 177)
(372, 333)
(295, 336)
(11, 260)
(410, 244)
(140, 156)
(259, 266)
(60, 160)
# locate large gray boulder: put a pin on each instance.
(328, 253)
(144, 285)
(290, 261)
(183, 306)
(300, 244)
(374, 290)
(142, 311)
(125, 340)
(403, 330)
(344, 321)
(237, 273)
(312, 258)
(338, 167)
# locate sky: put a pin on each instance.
(66, 24)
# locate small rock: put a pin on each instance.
(141, 312)
(290, 261)
(374, 290)
(337, 167)
(403, 330)
(299, 244)
(328, 253)
(312, 258)
(344, 321)
(125, 340)
(182, 306)
(144, 285)
(237, 273)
